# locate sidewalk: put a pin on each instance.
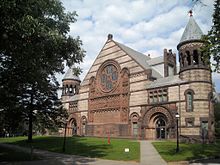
(149, 155)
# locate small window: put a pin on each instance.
(188, 58)
(154, 99)
(160, 98)
(151, 99)
(71, 89)
(189, 100)
(190, 123)
(164, 98)
(135, 128)
(195, 57)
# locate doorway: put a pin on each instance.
(74, 127)
(160, 128)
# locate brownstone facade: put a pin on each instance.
(128, 94)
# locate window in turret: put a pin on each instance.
(188, 57)
(71, 89)
(189, 100)
(195, 57)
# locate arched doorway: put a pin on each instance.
(158, 123)
(160, 127)
(83, 126)
(74, 127)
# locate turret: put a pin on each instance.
(71, 83)
(190, 56)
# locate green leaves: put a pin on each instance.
(212, 40)
(34, 44)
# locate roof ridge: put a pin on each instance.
(140, 58)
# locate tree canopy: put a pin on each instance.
(34, 46)
(212, 39)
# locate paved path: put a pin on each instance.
(149, 155)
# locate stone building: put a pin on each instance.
(128, 94)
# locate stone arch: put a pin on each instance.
(151, 118)
(72, 125)
(158, 110)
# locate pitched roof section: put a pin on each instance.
(165, 81)
(142, 59)
(70, 75)
(192, 31)
(156, 61)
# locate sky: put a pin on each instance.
(147, 26)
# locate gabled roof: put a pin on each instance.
(70, 75)
(192, 31)
(142, 59)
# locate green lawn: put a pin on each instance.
(84, 146)
(167, 150)
(7, 154)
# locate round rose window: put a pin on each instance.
(108, 78)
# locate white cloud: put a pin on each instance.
(147, 26)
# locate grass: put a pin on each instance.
(187, 152)
(84, 146)
(7, 154)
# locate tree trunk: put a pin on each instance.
(30, 116)
(30, 128)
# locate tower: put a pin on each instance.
(71, 83)
(190, 57)
(197, 108)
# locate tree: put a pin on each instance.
(34, 46)
(212, 39)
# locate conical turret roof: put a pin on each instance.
(70, 74)
(192, 31)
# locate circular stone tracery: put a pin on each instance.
(108, 78)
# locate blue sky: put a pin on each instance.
(147, 26)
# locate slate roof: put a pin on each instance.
(156, 61)
(192, 31)
(142, 59)
(70, 74)
(165, 81)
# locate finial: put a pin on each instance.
(190, 13)
(110, 36)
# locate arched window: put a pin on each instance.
(189, 100)
(195, 57)
(71, 89)
(134, 119)
(66, 89)
(188, 57)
